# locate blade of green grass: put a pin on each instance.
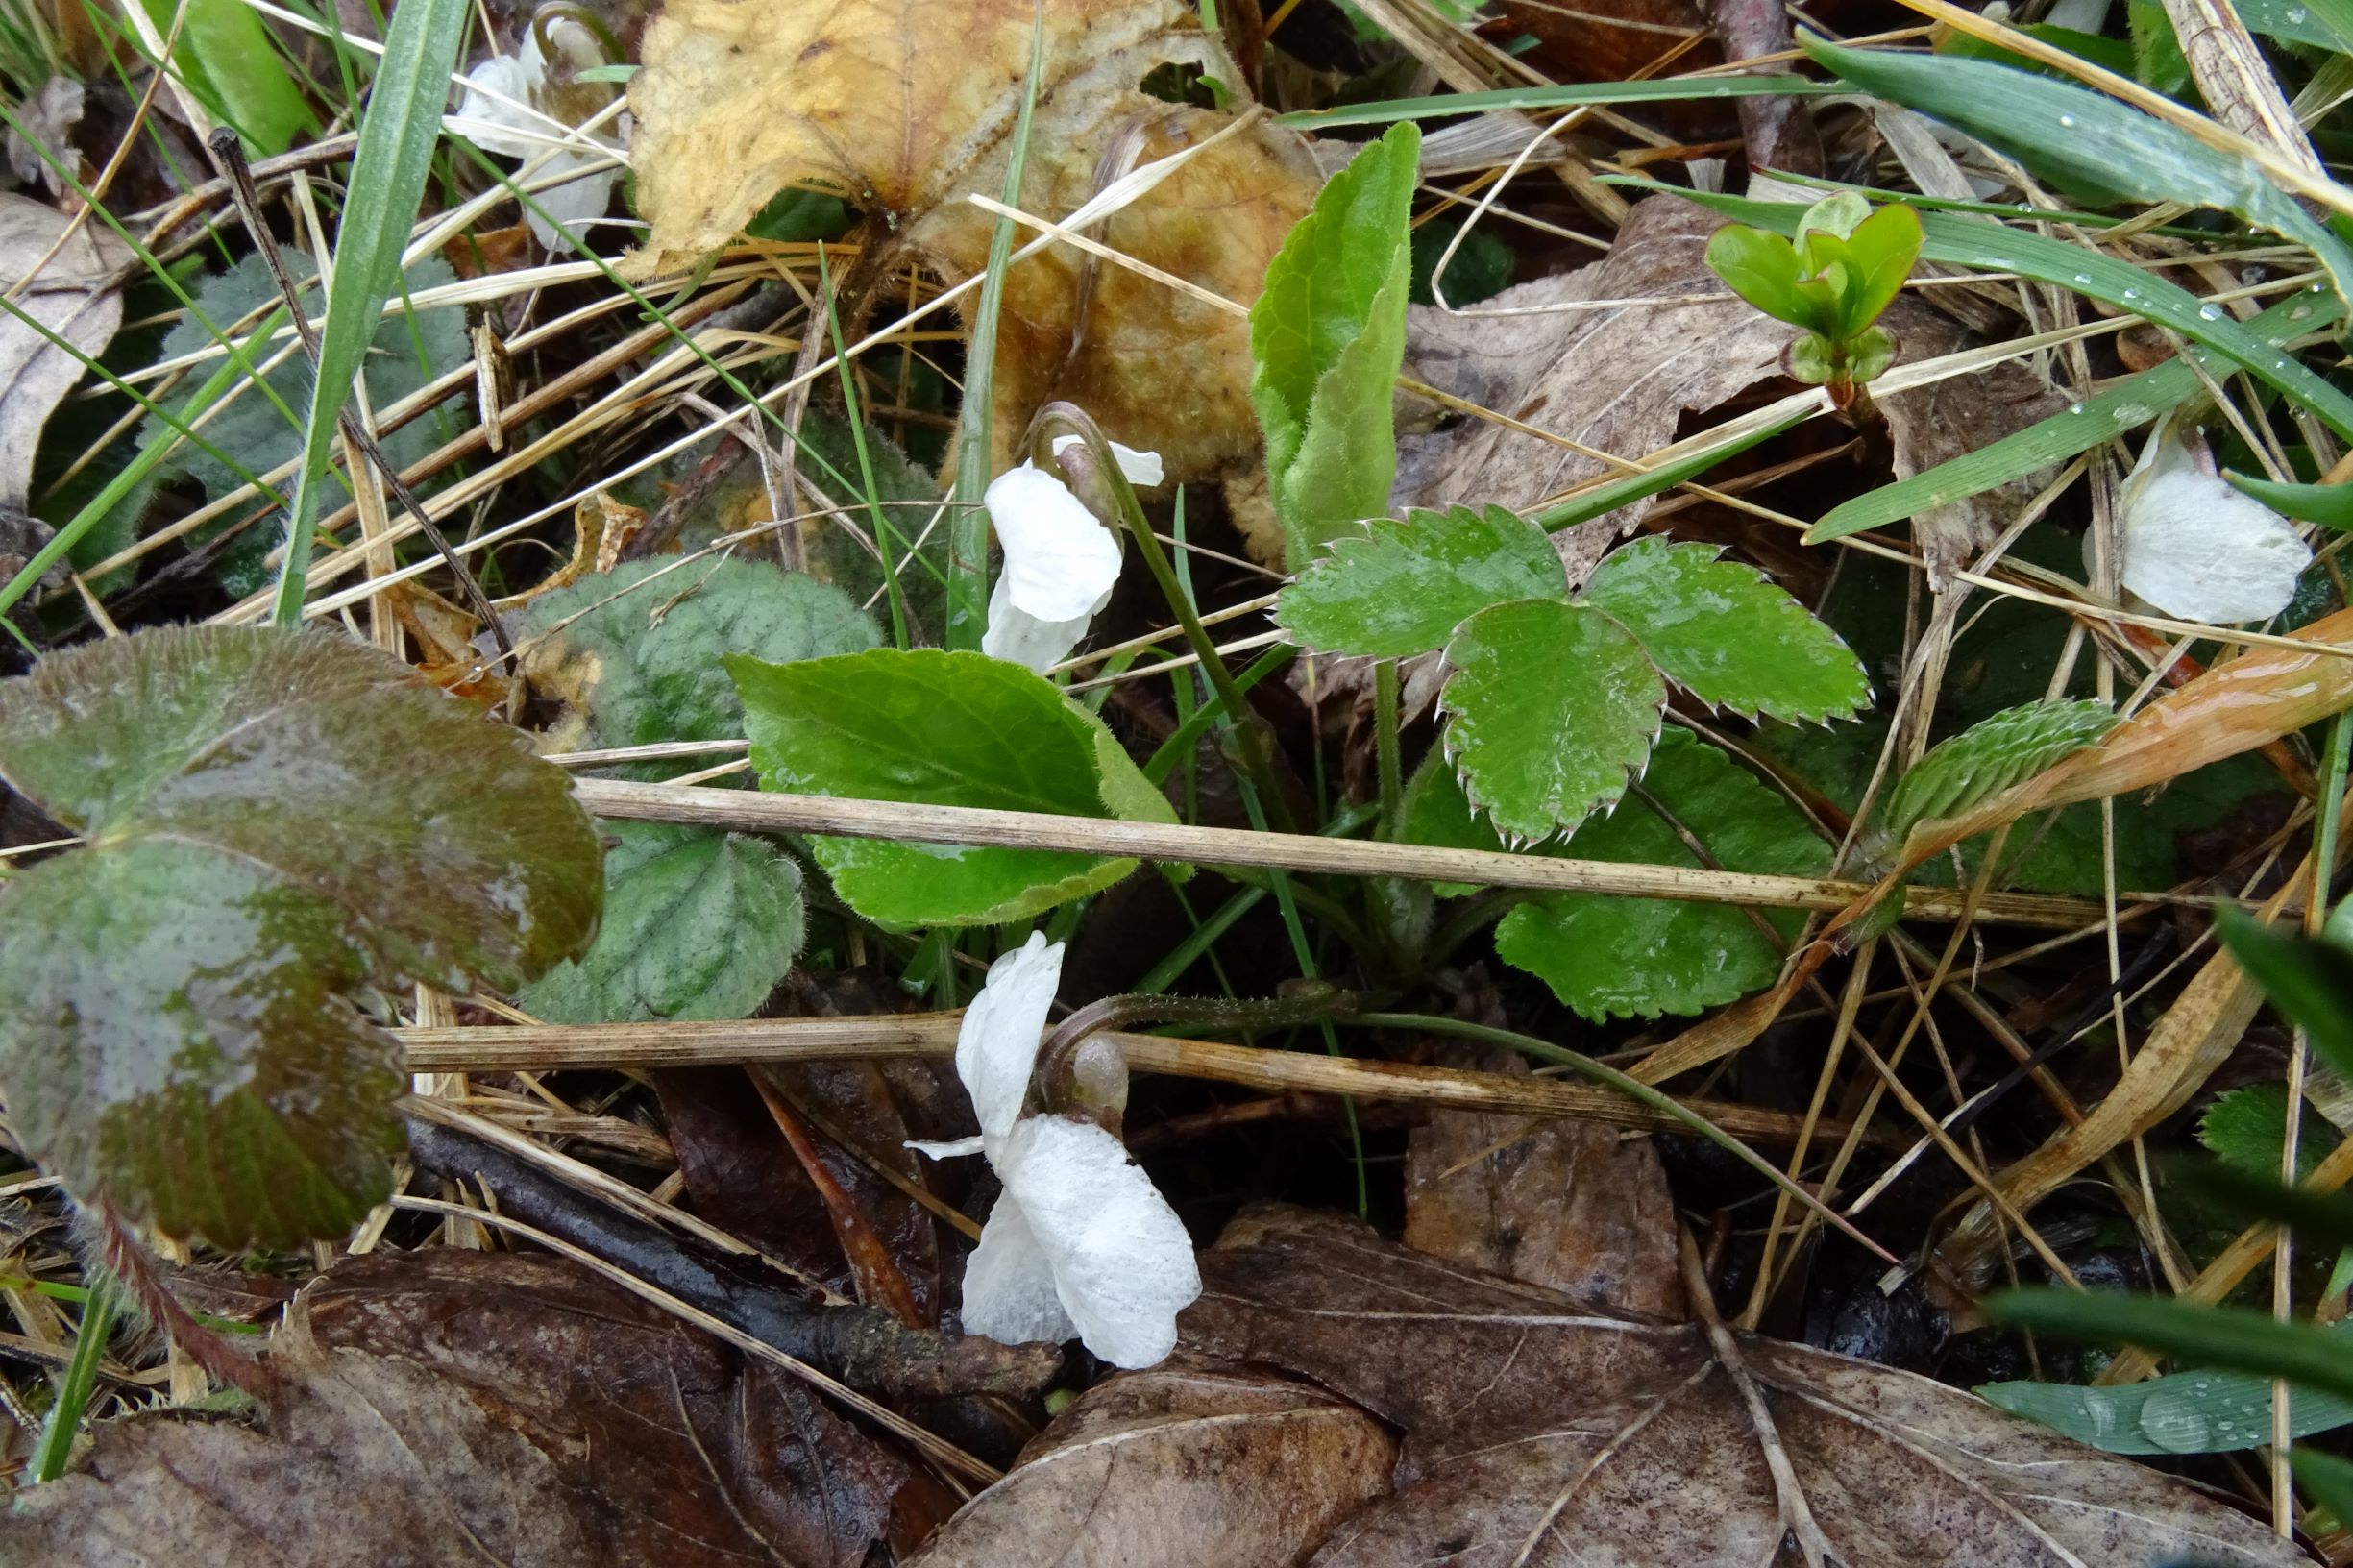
(2232, 1339)
(81, 1380)
(1587, 505)
(884, 533)
(1672, 90)
(397, 135)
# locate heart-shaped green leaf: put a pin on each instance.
(1401, 588)
(1552, 706)
(946, 729)
(273, 818)
(1726, 633)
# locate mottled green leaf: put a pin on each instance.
(1624, 956)
(637, 649)
(1552, 706)
(1327, 339)
(2184, 1413)
(1725, 633)
(697, 925)
(1401, 588)
(946, 729)
(272, 819)
(1990, 756)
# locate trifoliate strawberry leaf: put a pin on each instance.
(1990, 756)
(1550, 706)
(636, 650)
(697, 925)
(1398, 589)
(273, 820)
(1622, 957)
(2248, 1128)
(946, 729)
(1725, 633)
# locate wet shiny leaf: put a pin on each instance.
(1401, 588)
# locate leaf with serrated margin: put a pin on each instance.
(697, 925)
(273, 820)
(1327, 339)
(1627, 957)
(1726, 633)
(1401, 588)
(1990, 756)
(944, 729)
(1552, 706)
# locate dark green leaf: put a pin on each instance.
(1553, 706)
(1990, 756)
(697, 924)
(2329, 1477)
(2327, 25)
(2310, 982)
(1725, 633)
(2186, 1412)
(1435, 812)
(1401, 588)
(274, 818)
(2331, 505)
(1327, 339)
(224, 58)
(2232, 1339)
(946, 729)
(2248, 1128)
(1482, 267)
(1624, 956)
(2318, 1218)
(1881, 250)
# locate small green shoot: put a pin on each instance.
(1835, 282)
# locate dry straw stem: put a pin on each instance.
(749, 812)
(552, 1047)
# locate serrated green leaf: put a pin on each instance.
(272, 818)
(697, 925)
(638, 650)
(1397, 589)
(1726, 632)
(1550, 706)
(1327, 339)
(2085, 137)
(2184, 1413)
(2247, 1127)
(1436, 813)
(949, 729)
(1642, 957)
(1990, 756)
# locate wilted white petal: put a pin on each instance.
(949, 1150)
(1142, 468)
(2198, 550)
(516, 78)
(1060, 563)
(574, 206)
(1122, 1263)
(997, 1043)
(1024, 639)
(1008, 1288)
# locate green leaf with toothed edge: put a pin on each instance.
(1990, 756)
(1550, 707)
(1397, 589)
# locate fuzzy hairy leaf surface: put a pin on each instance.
(273, 818)
(1550, 706)
(1990, 756)
(1642, 957)
(1327, 339)
(1401, 588)
(944, 729)
(697, 925)
(1726, 633)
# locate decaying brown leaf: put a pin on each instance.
(906, 106)
(1542, 1432)
(1176, 1467)
(73, 295)
(1618, 377)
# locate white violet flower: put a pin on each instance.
(1080, 1243)
(1061, 562)
(499, 124)
(2198, 549)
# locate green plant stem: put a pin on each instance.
(1634, 1089)
(1180, 741)
(866, 464)
(1311, 1002)
(81, 1380)
(1385, 740)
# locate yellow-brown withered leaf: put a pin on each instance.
(907, 107)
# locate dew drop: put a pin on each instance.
(2067, 121)
(2210, 312)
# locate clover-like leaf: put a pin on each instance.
(1726, 633)
(1552, 706)
(1991, 756)
(273, 820)
(1401, 588)
(946, 729)
(697, 924)
(1619, 957)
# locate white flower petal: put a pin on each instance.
(1122, 1263)
(514, 81)
(1060, 563)
(2198, 550)
(1009, 1291)
(997, 1043)
(574, 206)
(946, 1151)
(1142, 468)
(1026, 640)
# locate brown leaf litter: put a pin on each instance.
(64, 277)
